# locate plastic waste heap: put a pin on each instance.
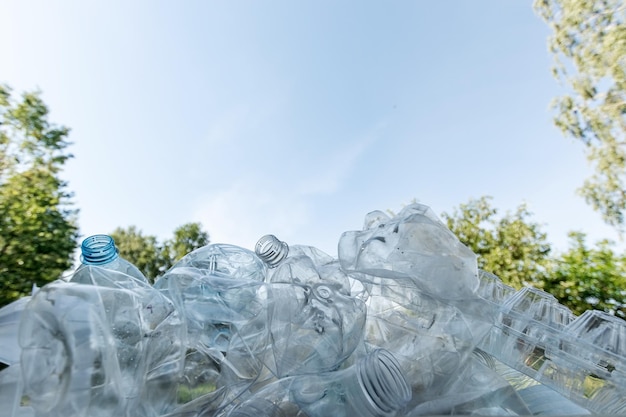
(401, 323)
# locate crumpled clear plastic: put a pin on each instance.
(9, 323)
(401, 324)
(476, 389)
(313, 329)
(113, 348)
(315, 323)
(375, 386)
(413, 245)
(220, 293)
(221, 259)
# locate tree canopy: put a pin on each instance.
(514, 248)
(152, 257)
(141, 250)
(38, 229)
(586, 278)
(511, 246)
(187, 238)
(588, 42)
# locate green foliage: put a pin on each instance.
(512, 247)
(589, 46)
(38, 229)
(586, 278)
(153, 258)
(187, 237)
(141, 250)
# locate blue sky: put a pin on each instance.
(297, 118)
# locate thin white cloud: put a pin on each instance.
(245, 211)
(241, 211)
(334, 171)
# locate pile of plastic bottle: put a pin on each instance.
(402, 323)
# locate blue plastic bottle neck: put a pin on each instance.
(98, 250)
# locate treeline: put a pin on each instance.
(514, 247)
(39, 231)
(152, 257)
(38, 222)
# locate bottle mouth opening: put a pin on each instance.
(98, 250)
(383, 382)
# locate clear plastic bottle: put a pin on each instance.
(414, 246)
(104, 343)
(315, 323)
(540, 399)
(373, 387)
(100, 350)
(9, 321)
(99, 252)
(313, 328)
(219, 290)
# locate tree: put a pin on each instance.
(512, 247)
(589, 46)
(586, 278)
(141, 250)
(38, 229)
(187, 237)
(153, 258)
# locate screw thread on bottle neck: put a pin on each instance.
(271, 250)
(383, 383)
(98, 250)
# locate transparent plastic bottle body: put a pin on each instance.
(581, 358)
(313, 329)
(220, 291)
(374, 387)
(315, 322)
(99, 251)
(430, 340)
(9, 323)
(100, 351)
(415, 245)
(66, 344)
(104, 344)
(474, 389)
(229, 261)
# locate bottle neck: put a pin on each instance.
(383, 384)
(98, 250)
(271, 250)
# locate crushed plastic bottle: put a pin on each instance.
(220, 293)
(106, 343)
(225, 260)
(581, 358)
(373, 387)
(9, 323)
(430, 338)
(401, 324)
(413, 245)
(313, 329)
(315, 323)
(475, 389)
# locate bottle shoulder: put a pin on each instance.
(130, 269)
(84, 273)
